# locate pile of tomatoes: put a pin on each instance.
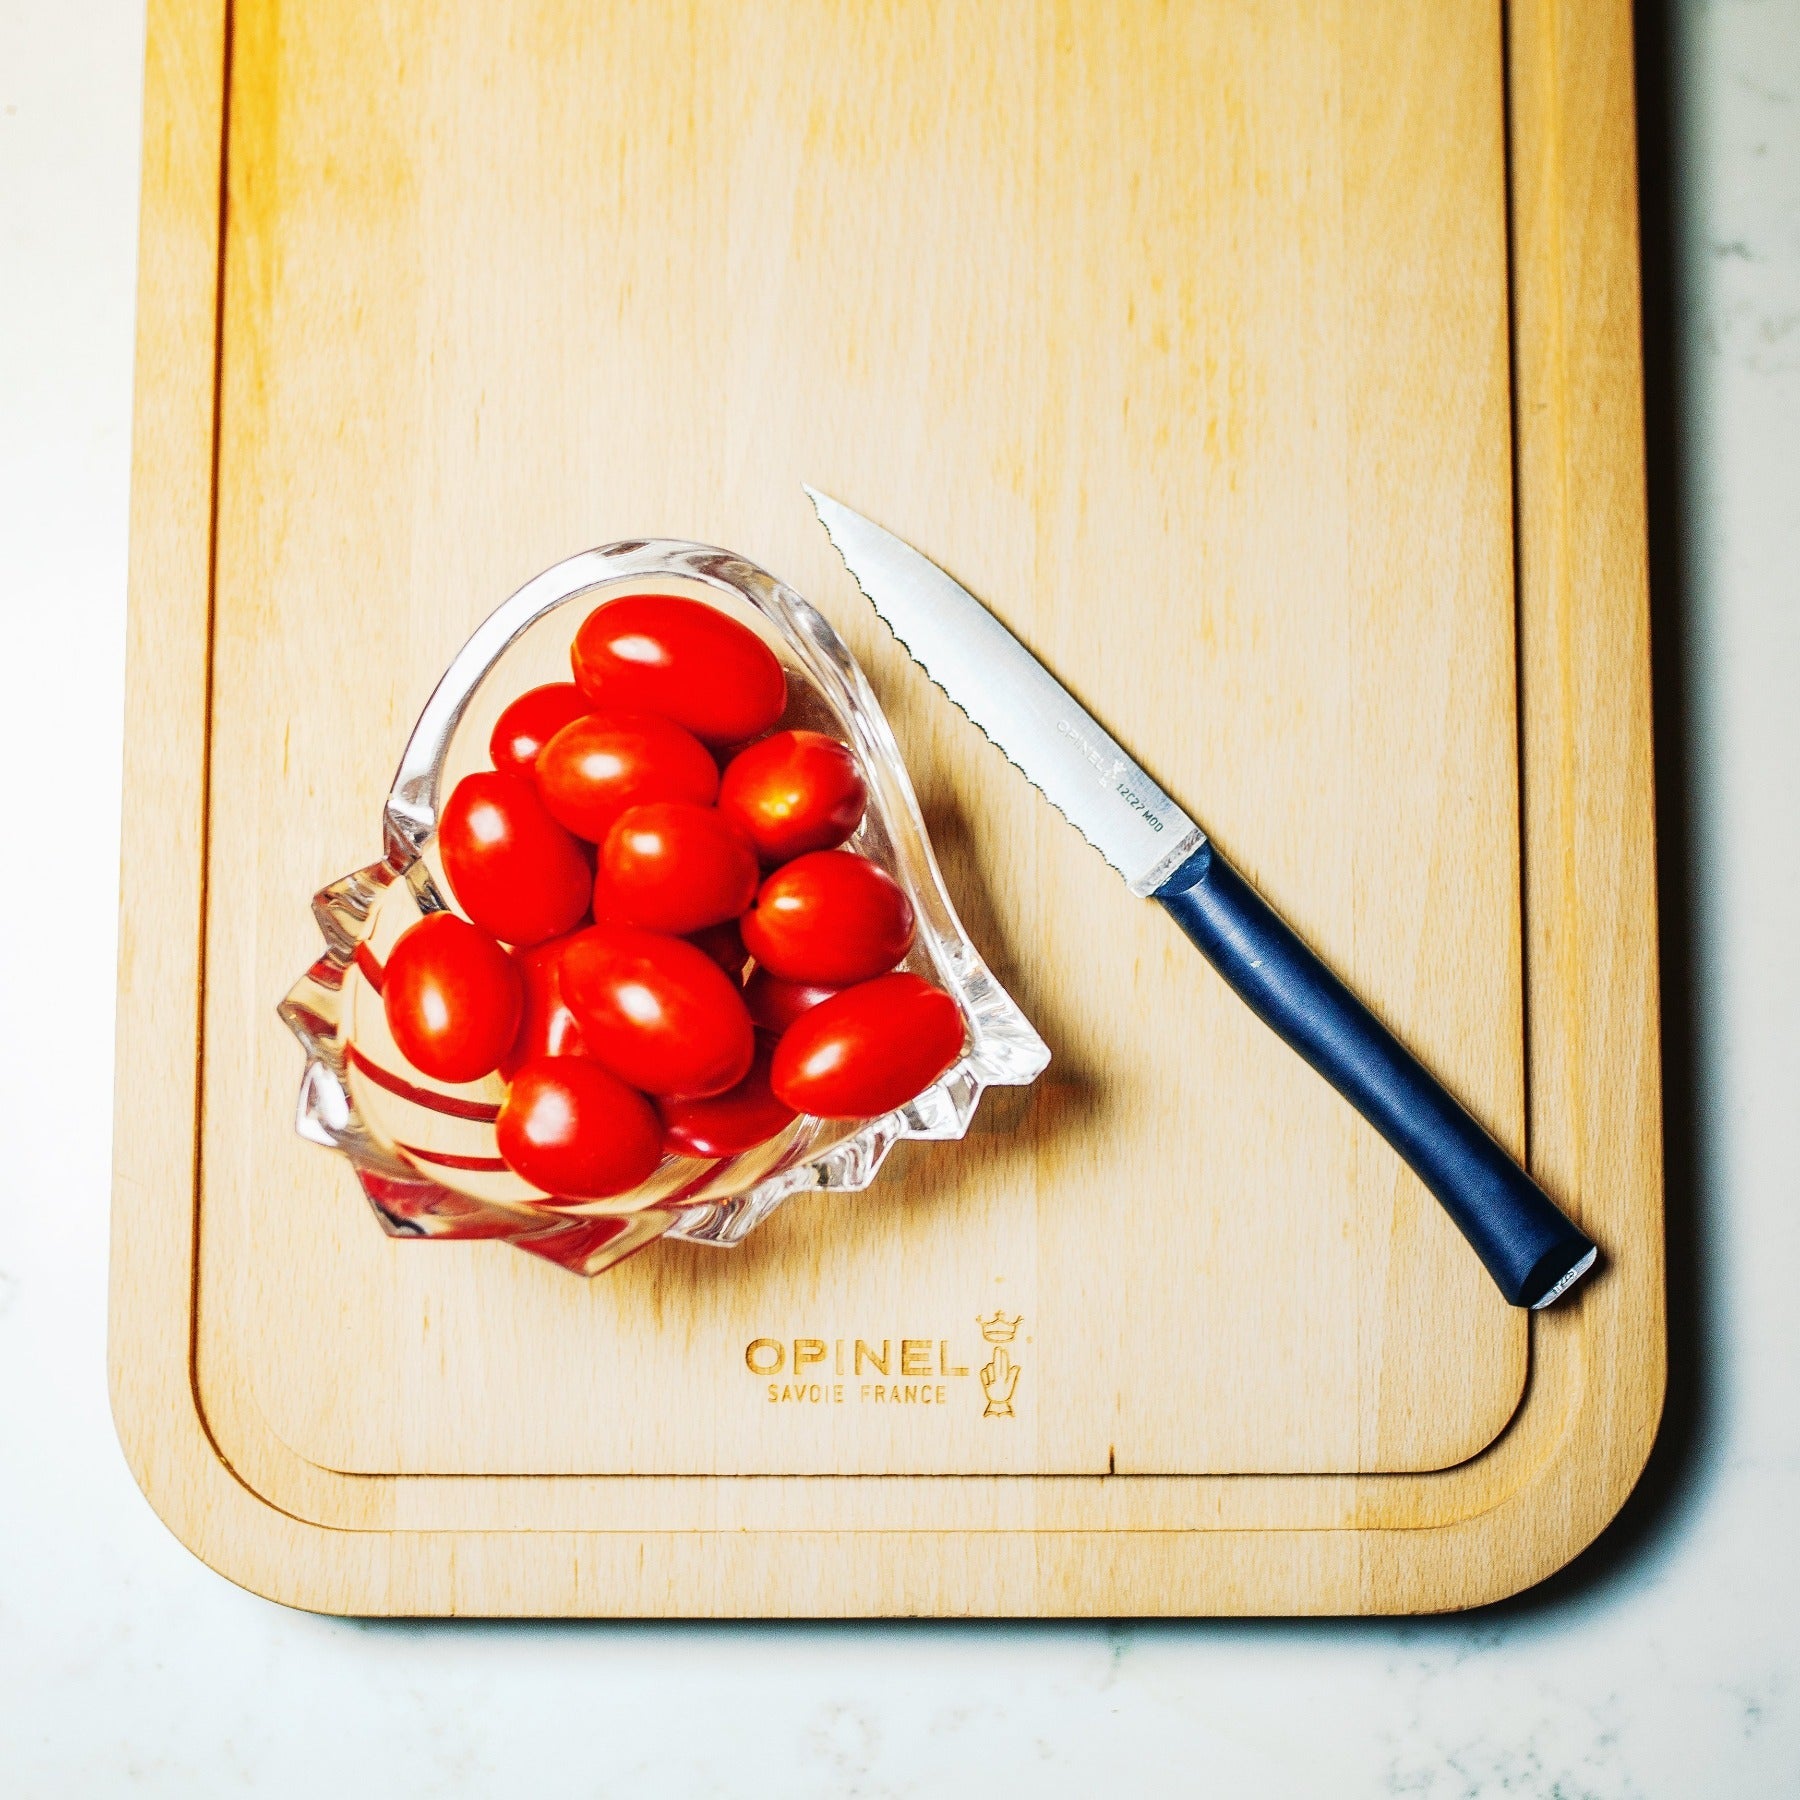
(667, 948)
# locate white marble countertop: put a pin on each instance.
(1666, 1663)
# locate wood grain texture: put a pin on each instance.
(429, 370)
(412, 323)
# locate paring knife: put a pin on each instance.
(1529, 1247)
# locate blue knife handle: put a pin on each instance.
(1532, 1251)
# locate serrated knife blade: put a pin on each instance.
(1531, 1248)
(1040, 727)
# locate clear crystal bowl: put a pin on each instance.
(424, 1150)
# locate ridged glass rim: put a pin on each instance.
(1003, 1049)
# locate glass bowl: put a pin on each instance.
(424, 1150)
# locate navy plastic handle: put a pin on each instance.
(1529, 1247)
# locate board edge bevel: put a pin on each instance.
(1578, 404)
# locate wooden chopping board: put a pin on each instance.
(1240, 358)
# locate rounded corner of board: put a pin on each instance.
(242, 1536)
(1543, 1528)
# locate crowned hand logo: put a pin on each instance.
(1000, 1375)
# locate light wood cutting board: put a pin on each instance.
(1273, 370)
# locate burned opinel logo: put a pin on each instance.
(1000, 1375)
(886, 1371)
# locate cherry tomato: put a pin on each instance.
(794, 791)
(683, 659)
(596, 766)
(530, 722)
(867, 1050)
(576, 1131)
(513, 868)
(452, 998)
(830, 917)
(724, 944)
(727, 1123)
(658, 1012)
(775, 1004)
(671, 866)
(546, 1025)
(721, 942)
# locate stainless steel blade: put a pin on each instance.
(1054, 741)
